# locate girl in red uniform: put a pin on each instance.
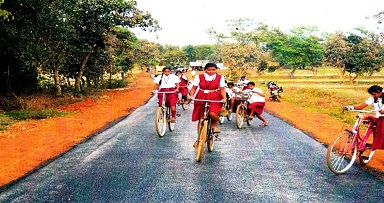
(183, 86)
(167, 82)
(209, 86)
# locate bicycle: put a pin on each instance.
(181, 101)
(227, 106)
(342, 153)
(242, 110)
(205, 131)
(163, 116)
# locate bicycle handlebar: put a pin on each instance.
(166, 92)
(204, 100)
(363, 111)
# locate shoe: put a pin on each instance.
(264, 124)
(173, 120)
(250, 118)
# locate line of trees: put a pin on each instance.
(83, 40)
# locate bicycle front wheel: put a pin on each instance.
(240, 116)
(160, 121)
(171, 125)
(342, 153)
(202, 139)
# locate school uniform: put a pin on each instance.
(208, 89)
(167, 84)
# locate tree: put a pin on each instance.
(298, 50)
(364, 55)
(336, 49)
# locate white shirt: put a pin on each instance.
(231, 92)
(376, 106)
(167, 81)
(207, 77)
(255, 97)
(244, 82)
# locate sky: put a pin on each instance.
(185, 22)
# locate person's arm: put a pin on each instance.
(156, 86)
(193, 90)
(177, 86)
(223, 94)
(360, 106)
(259, 93)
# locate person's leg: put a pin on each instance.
(232, 104)
(214, 118)
(252, 112)
(173, 113)
(265, 122)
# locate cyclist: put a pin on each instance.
(209, 86)
(167, 82)
(377, 101)
(231, 94)
(243, 80)
(256, 102)
(183, 86)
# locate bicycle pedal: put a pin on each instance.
(368, 145)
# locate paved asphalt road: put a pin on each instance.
(130, 163)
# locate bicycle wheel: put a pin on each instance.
(210, 140)
(240, 116)
(366, 155)
(160, 121)
(342, 153)
(171, 125)
(202, 138)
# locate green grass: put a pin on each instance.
(38, 114)
(5, 121)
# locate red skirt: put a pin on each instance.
(258, 107)
(198, 107)
(170, 98)
(378, 135)
(183, 91)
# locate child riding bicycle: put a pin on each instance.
(209, 86)
(377, 101)
(256, 102)
(183, 86)
(167, 82)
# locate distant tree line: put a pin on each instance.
(48, 44)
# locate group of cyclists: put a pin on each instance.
(208, 86)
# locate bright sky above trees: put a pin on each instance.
(186, 21)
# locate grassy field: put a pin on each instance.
(324, 93)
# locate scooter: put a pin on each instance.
(274, 91)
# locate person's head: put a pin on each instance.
(243, 77)
(230, 85)
(210, 68)
(166, 70)
(179, 73)
(251, 85)
(376, 91)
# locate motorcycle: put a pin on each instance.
(274, 91)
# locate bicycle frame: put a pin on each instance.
(361, 140)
